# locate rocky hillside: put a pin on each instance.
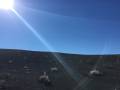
(21, 70)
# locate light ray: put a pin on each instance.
(48, 46)
(82, 84)
(87, 80)
(101, 56)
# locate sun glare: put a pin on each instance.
(6, 4)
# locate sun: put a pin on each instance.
(7, 4)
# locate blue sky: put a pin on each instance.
(72, 26)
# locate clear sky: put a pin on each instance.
(72, 26)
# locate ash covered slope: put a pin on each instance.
(20, 70)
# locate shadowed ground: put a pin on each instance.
(13, 75)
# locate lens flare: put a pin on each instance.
(49, 47)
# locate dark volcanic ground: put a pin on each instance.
(14, 76)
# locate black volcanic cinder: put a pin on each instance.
(14, 76)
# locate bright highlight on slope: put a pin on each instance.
(6, 4)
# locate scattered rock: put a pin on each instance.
(54, 69)
(95, 72)
(10, 62)
(44, 79)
